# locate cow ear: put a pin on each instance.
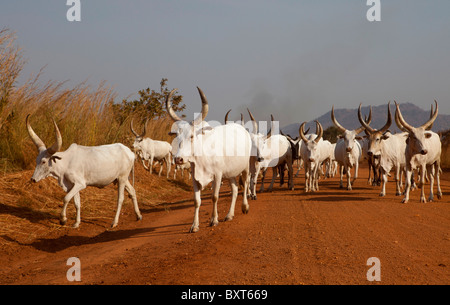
(340, 136)
(407, 140)
(172, 133)
(385, 136)
(206, 129)
(54, 158)
(358, 138)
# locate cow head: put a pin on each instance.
(47, 156)
(189, 135)
(311, 142)
(137, 145)
(417, 136)
(375, 136)
(258, 139)
(349, 136)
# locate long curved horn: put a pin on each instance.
(302, 133)
(132, 129)
(226, 116)
(269, 134)
(36, 140)
(242, 120)
(205, 108)
(389, 120)
(360, 129)
(430, 122)
(401, 119)
(255, 125)
(58, 141)
(363, 122)
(399, 125)
(335, 122)
(170, 111)
(320, 133)
(145, 129)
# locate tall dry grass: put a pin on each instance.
(84, 114)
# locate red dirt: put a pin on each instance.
(288, 237)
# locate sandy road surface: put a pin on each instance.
(288, 237)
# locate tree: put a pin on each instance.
(151, 104)
(331, 134)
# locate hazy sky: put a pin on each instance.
(294, 59)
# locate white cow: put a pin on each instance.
(271, 151)
(387, 149)
(348, 151)
(214, 153)
(314, 152)
(423, 151)
(152, 150)
(82, 166)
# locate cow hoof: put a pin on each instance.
(113, 225)
(76, 225)
(398, 194)
(439, 196)
(138, 217)
(382, 195)
(245, 209)
(291, 188)
(63, 221)
(228, 218)
(194, 229)
(405, 201)
(213, 223)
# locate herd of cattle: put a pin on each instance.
(232, 151)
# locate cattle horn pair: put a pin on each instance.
(40, 144)
(319, 132)
(370, 129)
(405, 127)
(198, 119)
(226, 117)
(134, 132)
(255, 125)
(342, 129)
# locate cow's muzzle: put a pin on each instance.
(179, 160)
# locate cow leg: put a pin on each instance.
(73, 191)
(197, 203)
(398, 191)
(407, 184)
(234, 193)
(150, 164)
(168, 165)
(349, 178)
(120, 197)
(274, 176)
(261, 189)
(245, 206)
(383, 183)
(431, 173)
(422, 183)
(437, 168)
(130, 189)
(341, 173)
(215, 197)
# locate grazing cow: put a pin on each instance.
(423, 151)
(271, 151)
(348, 150)
(214, 153)
(82, 166)
(151, 150)
(314, 152)
(386, 149)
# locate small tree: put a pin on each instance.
(331, 134)
(151, 104)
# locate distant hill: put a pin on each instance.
(348, 118)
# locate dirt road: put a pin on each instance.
(288, 237)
